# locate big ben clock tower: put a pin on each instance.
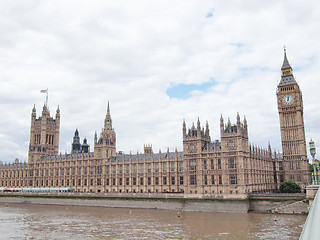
(290, 107)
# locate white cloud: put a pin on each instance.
(131, 52)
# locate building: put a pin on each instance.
(290, 107)
(228, 167)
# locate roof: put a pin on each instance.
(285, 61)
(287, 80)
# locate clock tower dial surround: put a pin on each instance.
(290, 108)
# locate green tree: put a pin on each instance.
(290, 186)
(311, 168)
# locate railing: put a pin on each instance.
(311, 229)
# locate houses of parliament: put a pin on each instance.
(229, 167)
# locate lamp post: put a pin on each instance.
(315, 175)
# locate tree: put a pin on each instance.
(311, 168)
(290, 186)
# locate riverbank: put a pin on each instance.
(269, 203)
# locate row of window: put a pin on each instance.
(287, 88)
(98, 170)
(126, 181)
(231, 164)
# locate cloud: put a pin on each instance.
(133, 53)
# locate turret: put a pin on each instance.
(238, 120)
(198, 127)
(221, 124)
(58, 113)
(95, 137)
(76, 146)
(184, 129)
(34, 113)
(85, 146)
(207, 129)
(245, 124)
(147, 149)
(197, 139)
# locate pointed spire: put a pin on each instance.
(34, 112)
(285, 64)
(45, 110)
(95, 137)
(287, 77)
(207, 129)
(108, 120)
(58, 112)
(184, 129)
(184, 124)
(221, 122)
(238, 119)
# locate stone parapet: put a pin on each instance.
(311, 192)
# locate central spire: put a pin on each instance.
(108, 120)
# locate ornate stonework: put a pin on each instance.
(228, 167)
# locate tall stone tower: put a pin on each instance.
(290, 108)
(44, 134)
(196, 143)
(105, 147)
(235, 154)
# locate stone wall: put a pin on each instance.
(263, 203)
(239, 206)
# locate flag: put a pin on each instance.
(44, 91)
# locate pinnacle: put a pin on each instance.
(285, 61)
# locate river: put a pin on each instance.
(28, 221)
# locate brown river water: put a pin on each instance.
(27, 221)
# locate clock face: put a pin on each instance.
(191, 148)
(231, 144)
(287, 99)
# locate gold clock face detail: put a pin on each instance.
(287, 99)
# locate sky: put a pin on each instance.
(157, 63)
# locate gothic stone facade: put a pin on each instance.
(229, 167)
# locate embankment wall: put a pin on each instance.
(257, 203)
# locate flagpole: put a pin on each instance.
(46, 92)
(47, 98)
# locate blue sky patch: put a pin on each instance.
(183, 91)
(236, 44)
(210, 13)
